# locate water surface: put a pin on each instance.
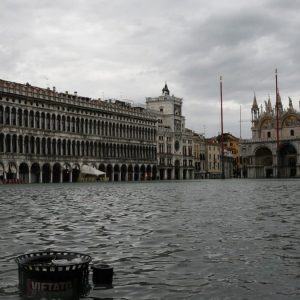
(209, 239)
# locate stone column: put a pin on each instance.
(41, 176)
(173, 173)
(164, 174)
(180, 173)
(61, 175)
(187, 174)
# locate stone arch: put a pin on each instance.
(263, 161)
(109, 172)
(130, 173)
(46, 173)
(148, 173)
(11, 174)
(75, 172)
(154, 173)
(116, 172)
(123, 172)
(143, 172)
(1, 114)
(263, 156)
(2, 170)
(290, 120)
(67, 170)
(136, 173)
(177, 169)
(56, 170)
(287, 160)
(102, 168)
(24, 172)
(35, 173)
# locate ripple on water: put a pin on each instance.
(208, 239)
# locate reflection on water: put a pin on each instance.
(210, 239)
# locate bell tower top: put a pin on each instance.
(165, 90)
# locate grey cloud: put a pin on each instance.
(129, 48)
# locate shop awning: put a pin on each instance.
(91, 171)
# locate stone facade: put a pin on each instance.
(232, 147)
(199, 156)
(214, 159)
(274, 149)
(47, 136)
(175, 142)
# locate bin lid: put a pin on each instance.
(47, 260)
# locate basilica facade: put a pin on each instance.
(274, 149)
(48, 136)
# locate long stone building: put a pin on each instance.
(274, 149)
(48, 136)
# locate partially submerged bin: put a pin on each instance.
(54, 274)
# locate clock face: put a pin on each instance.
(176, 145)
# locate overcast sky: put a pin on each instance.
(128, 49)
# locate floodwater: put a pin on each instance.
(208, 239)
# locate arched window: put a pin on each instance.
(1, 114)
(7, 116)
(20, 116)
(48, 126)
(38, 146)
(31, 119)
(14, 143)
(20, 144)
(26, 118)
(13, 117)
(68, 124)
(37, 120)
(26, 145)
(43, 120)
(58, 123)
(53, 122)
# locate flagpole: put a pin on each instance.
(277, 122)
(222, 137)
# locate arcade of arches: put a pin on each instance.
(58, 173)
(267, 164)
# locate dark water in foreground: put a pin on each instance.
(210, 239)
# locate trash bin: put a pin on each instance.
(54, 274)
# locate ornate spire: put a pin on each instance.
(254, 105)
(291, 108)
(278, 101)
(269, 105)
(254, 109)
